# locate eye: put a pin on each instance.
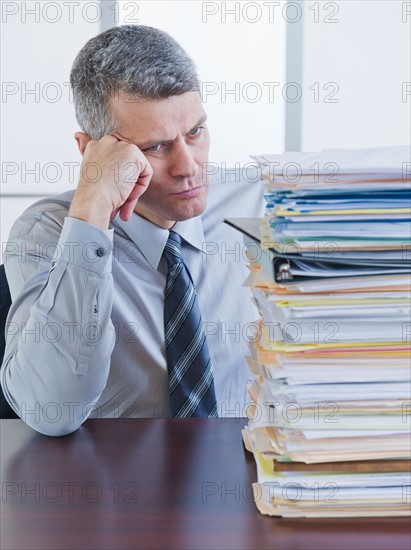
(196, 131)
(153, 148)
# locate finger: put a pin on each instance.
(127, 210)
(138, 189)
(118, 136)
(114, 214)
(144, 178)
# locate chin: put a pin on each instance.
(190, 208)
(191, 211)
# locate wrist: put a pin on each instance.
(96, 212)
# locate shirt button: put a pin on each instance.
(100, 252)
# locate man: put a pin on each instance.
(95, 329)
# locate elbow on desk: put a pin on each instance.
(34, 417)
(37, 419)
(59, 429)
(56, 417)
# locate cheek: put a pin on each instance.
(159, 177)
(154, 190)
(200, 152)
(207, 144)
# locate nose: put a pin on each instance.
(182, 161)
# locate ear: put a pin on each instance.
(82, 140)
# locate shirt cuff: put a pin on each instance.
(85, 245)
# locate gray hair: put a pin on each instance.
(141, 61)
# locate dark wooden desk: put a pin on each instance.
(182, 484)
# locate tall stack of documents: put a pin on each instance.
(331, 415)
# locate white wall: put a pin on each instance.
(367, 55)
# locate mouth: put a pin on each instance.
(189, 193)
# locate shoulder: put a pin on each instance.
(44, 219)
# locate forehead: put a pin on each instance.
(151, 119)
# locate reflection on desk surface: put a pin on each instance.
(154, 483)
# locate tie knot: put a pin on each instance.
(172, 250)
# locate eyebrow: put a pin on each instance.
(147, 144)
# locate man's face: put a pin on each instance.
(173, 136)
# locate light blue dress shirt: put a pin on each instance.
(85, 333)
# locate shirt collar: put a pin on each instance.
(151, 239)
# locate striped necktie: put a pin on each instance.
(191, 382)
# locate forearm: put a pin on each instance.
(60, 337)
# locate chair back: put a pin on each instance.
(5, 302)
